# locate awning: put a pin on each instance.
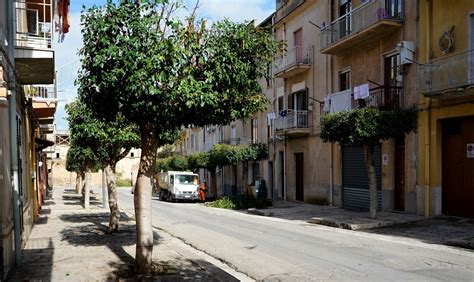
(42, 144)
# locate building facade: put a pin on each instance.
(27, 106)
(446, 125)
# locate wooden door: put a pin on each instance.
(400, 174)
(458, 167)
(298, 37)
(299, 161)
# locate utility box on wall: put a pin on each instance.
(406, 50)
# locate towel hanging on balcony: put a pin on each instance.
(341, 101)
(361, 91)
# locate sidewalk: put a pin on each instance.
(69, 244)
(443, 230)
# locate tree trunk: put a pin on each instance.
(370, 165)
(142, 199)
(113, 205)
(87, 190)
(78, 182)
(213, 186)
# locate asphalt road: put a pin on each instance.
(278, 249)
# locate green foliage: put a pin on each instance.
(104, 142)
(223, 155)
(166, 151)
(239, 202)
(234, 203)
(81, 159)
(123, 182)
(195, 75)
(367, 126)
(177, 163)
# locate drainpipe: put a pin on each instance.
(13, 124)
(428, 117)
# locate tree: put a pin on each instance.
(161, 73)
(109, 141)
(82, 160)
(223, 155)
(367, 127)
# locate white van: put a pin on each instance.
(177, 185)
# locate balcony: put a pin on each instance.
(296, 60)
(44, 102)
(447, 77)
(34, 56)
(235, 141)
(382, 98)
(369, 22)
(287, 8)
(292, 123)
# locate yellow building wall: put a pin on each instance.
(443, 15)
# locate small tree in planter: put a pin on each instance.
(367, 127)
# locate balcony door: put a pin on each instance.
(300, 105)
(298, 37)
(345, 22)
(391, 71)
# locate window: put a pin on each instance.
(132, 155)
(254, 128)
(344, 80)
(300, 100)
(269, 128)
(345, 22)
(391, 70)
(57, 155)
(281, 103)
(233, 135)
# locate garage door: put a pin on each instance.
(355, 181)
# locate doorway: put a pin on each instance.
(298, 37)
(299, 166)
(400, 174)
(457, 167)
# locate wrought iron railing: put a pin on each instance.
(444, 74)
(297, 55)
(382, 97)
(235, 141)
(366, 14)
(292, 119)
(40, 91)
(285, 9)
(33, 24)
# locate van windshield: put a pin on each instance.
(186, 179)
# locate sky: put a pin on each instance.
(66, 53)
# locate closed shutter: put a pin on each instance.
(355, 181)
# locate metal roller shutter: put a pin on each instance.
(355, 182)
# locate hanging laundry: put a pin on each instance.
(341, 101)
(271, 116)
(327, 104)
(361, 91)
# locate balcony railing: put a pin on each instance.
(284, 10)
(33, 24)
(41, 91)
(292, 119)
(384, 98)
(365, 15)
(447, 74)
(235, 141)
(295, 57)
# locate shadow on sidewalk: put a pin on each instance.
(445, 230)
(74, 199)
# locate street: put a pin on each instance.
(271, 248)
